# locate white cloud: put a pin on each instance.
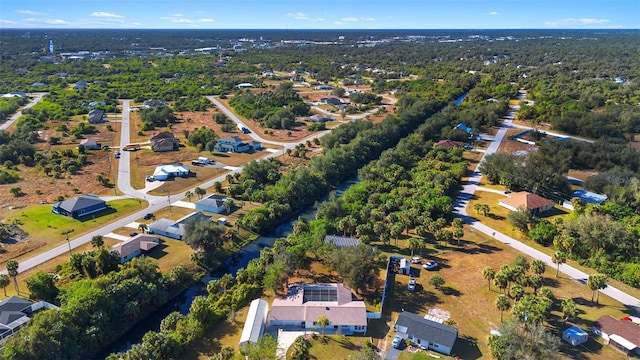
(183, 21)
(298, 16)
(29, 12)
(356, 19)
(47, 21)
(494, 13)
(177, 19)
(7, 22)
(303, 16)
(177, 15)
(105, 16)
(338, 22)
(577, 22)
(206, 20)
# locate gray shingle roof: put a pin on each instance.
(424, 329)
(11, 309)
(78, 203)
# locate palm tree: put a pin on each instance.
(4, 282)
(97, 241)
(143, 227)
(503, 304)
(569, 309)
(200, 192)
(596, 282)
(538, 266)
(188, 195)
(501, 281)
(414, 244)
(558, 258)
(488, 274)
(12, 270)
(323, 322)
(477, 207)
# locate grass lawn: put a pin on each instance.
(335, 347)
(45, 227)
(498, 220)
(471, 304)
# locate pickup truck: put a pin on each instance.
(131, 147)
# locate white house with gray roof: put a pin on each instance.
(175, 229)
(426, 333)
(214, 203)
(305, 303)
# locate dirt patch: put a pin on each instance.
(439, 313)
(512, 146)
(14, 235)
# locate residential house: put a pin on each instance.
(448, 144)
(80, 206)
(319, 118)
(96, 116)
(621, 334)
(235, 144)
(425, 333)
(93, 104)
(255, 324)
(90, 144)
(175, 229)
(13, 94)
(170, 171)
(305, 303)
(330, 101)
(245, 86)
(164, 141)
(15, 312)
(135, 246)
(153, 103)
(324, 87)
(214, 203)
(575, 336)
(534, 203)
(341, 241)
(80, 85)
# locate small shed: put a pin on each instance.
(255, 323)
(575, 336)
(405, 267)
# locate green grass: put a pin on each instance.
(43, 225)
(335, 347)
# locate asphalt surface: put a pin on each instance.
(460, 209)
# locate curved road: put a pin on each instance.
(38, 96)
(155, 202)
(460, 209)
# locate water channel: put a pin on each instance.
(240, 260)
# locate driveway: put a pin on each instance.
(285, 340)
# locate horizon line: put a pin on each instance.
(345, 29)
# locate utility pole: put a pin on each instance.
(66, 233)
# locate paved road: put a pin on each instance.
(36, 98)
(155, 202)
(460, 209)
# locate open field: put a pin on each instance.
(471, 303)
(45, 228)
(38, 187)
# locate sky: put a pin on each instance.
(320, 14)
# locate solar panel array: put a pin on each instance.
(322, 294)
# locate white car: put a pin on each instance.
(397, 342)
(431, 265)
(416, 260)
(412, 284)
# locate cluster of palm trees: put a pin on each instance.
(12, 271)
(200, 192)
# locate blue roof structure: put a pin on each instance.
(589, 197)
(464, 127)
(575, 332)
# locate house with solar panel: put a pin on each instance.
(305, 303)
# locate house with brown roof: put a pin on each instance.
(622, 335)
(164, 141)
(305, 303)
(135, 246)
(534, 203)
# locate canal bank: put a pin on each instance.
(239, 260)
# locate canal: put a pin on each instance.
(240, 260)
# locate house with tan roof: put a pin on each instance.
(135, 246)
(534, 203)
(622, 335)
(305, 303)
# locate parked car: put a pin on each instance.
(116, 154)
(148, 216)
(133, 234)
(105, 147)
(150, 178)
(397, 342)
(431, 265)
(416, 260)
(412, 284)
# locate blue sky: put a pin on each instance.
(321, 14)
